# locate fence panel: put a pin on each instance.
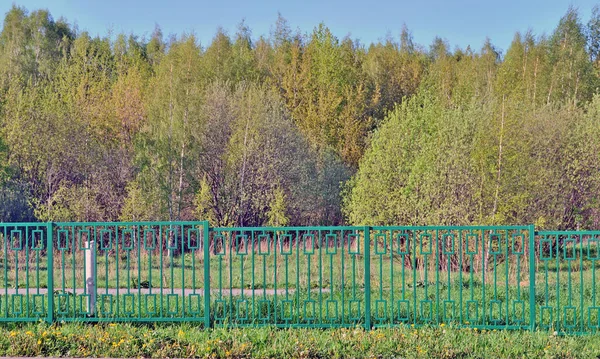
(288, 277)
(23, 272)
(566, 266)
(468, 276)
(129, 271)
(475, 276)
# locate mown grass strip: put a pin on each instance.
(187, 341)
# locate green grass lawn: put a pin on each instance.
(276, 266)
(326, 284)
(188, 341)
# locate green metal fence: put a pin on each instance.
(496, 277)
(565, 277)
(129, 271)
(25, 267)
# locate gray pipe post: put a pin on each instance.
(90, 274)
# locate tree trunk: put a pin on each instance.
(498, 175)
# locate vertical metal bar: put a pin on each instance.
(367, 231)
(581, 283)
(316, 242)
(507, 236)
(556, 249)
(437, 275)
(342, 282)
(179, 230)
(532, 311)
(380, 276)
(461, 234)
(484, 258)
(392, 277)
(95, 269)
(74, 267)
(27, 269)
(519, 275)
(5, 243)
(206, 274)
(138, 235)
(414, 274)
(161, 266)
(274, 273)
(298, 246)
(50, 269)
(37, 268)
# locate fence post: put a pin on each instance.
(50, 270)
(532, 309)
(91, 275)
(206, 240)
(367, 231)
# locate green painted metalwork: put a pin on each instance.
(367, 246)
(206, 262)
(287, 277)
(532, 258)
(566, 291)
(24, 293)
(494, 277)
(50, 269)
(465, 276)
(146, 271)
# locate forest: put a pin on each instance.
(299, 128)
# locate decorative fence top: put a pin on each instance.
(473, 276)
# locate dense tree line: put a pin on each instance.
(298, 128)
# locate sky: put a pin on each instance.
(462, 23)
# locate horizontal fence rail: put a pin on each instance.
(496, 277)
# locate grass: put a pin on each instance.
(127, 268)
(323, 308)
(397, 290)
(188, 341)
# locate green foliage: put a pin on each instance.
(425, 175)
(276, 216)
(252, 153)
(204, 203)
(140, 205)
(246, 131)
(593, 36)
(166, 143)
(573, 77)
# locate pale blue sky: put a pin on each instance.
(462, 23)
